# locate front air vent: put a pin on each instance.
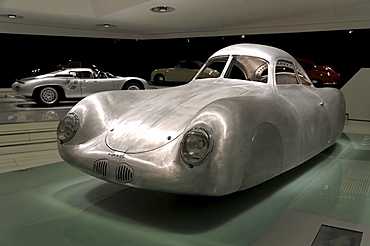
(100, 167)
(125, 173)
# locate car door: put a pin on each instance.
(309, 107)
(70, 84)
(91, 84)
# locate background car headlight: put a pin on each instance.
(196, 146)
(67, 127)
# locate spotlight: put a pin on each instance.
(12, 16)
(162, 9)
(106, 25)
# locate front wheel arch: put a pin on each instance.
(266, 156)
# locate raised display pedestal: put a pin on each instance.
(357, 95)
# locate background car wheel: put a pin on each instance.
(48, 96)
(133, 86)
(159, 79)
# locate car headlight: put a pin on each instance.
(196, 146)
(67, 127)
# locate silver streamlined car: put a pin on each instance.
(74, 83)
(213, 136)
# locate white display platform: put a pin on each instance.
(357, 94)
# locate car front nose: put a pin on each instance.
(156, 170)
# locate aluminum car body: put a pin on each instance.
(74, 83)
(213, 136)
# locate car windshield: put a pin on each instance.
(214, 68)
(240, 68)
(109, 75)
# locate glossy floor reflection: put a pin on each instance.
(18, 110)
(58, 205)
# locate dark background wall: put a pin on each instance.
(346, 52)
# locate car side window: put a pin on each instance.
(64, 75)
(285, 73)
(84, 74)
(303, 77)
(101, 75)
(193, 65)
(180, 65)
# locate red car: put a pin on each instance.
(320, 75)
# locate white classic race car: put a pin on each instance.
(74, 83)
(261, 116)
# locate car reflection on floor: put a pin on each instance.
(20, 110)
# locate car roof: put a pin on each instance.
(263, 51)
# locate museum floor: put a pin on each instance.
(55, 204)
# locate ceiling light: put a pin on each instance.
(162, 9)
(12, 16)
(106, 25)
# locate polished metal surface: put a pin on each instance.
(71, 83)
(260, 117)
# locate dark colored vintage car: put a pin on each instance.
(74, 83)
(261, 116)
(181, 73)
(320, 75)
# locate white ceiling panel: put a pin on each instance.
(133, 19)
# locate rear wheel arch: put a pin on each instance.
(60, 94)
(159, 78)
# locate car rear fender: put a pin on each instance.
(38, 88)
(335, 105)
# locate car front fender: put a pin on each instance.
(239, 127)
